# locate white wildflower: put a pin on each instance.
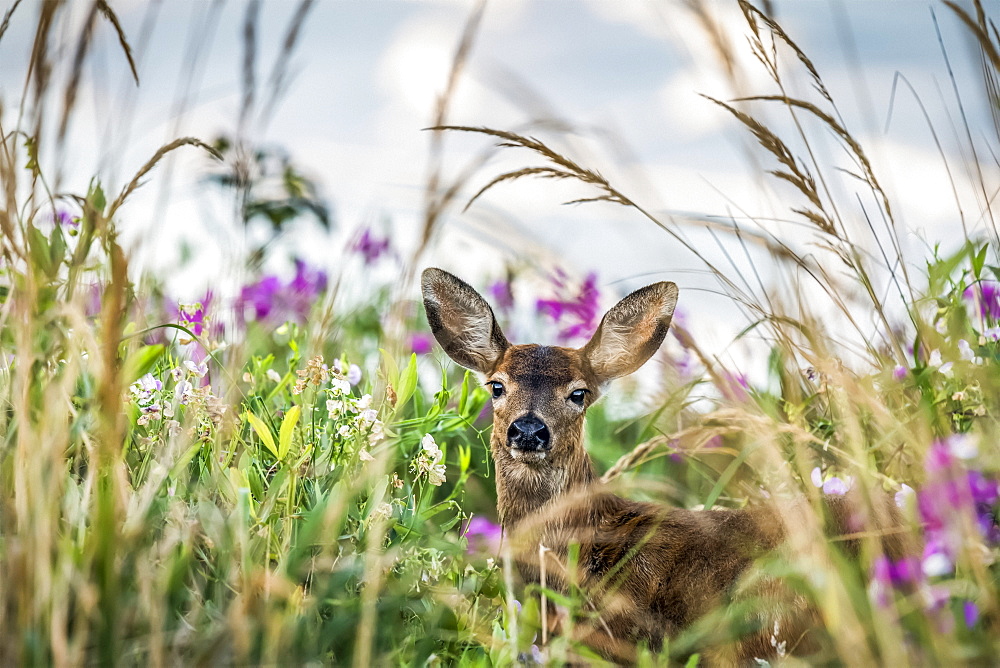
(382, 512)
(182, 391)
(334, 408)
(143, 388)
(365, 456)
(904, 497)
(364, 403)
(366, 418)
(936, 564)
(377, 433)
(428, 462)
(354, 374)
(963, 446)
(435, 475)
(274, 375)
(198, 370)
(967, 353)
(340, 386)
(430, 447)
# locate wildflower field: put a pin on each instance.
(292, 472)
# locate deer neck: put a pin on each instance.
(525, 487)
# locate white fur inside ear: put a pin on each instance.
(616, 351)
(631, 331)
(462, 321)
(476, 336)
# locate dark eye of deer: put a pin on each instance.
(577, 396)
(497, 389)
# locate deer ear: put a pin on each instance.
(462, 321)
(631, 332)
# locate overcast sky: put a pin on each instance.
(627, 75)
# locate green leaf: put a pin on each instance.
(57, 248)
(407, 382)
(38, 247)
(725, 477)
(141, 362)
(287, 430)
(463, 397)
(96, 197)
(32, 146)
(979, 261)
(464, 457)
(263, 433)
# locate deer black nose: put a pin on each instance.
(528, 433)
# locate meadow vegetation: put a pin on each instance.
(274, 479)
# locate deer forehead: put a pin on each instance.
(534, 367)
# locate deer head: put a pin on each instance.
(541, 393)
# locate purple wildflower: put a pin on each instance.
(837, 487)
(952, 499)
(370, 247)
(93, 302)
(501, 295)
(421, 342)
(986, 295)
(192, 316)
(258, 298)
(900, 372)
(832, 486)
(938, 458)
(734, 386)
(685, 365)
(303, 289)
(65, 219)
(896, 573)
(270, 299)
(970, 612)
(576, 313)
(483, 535)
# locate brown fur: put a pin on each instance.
(650, 571)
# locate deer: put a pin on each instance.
(650, 570)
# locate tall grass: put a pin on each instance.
(175, 491)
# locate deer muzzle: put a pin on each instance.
(528, 434)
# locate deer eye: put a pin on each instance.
(496, 388)
(577, 396)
